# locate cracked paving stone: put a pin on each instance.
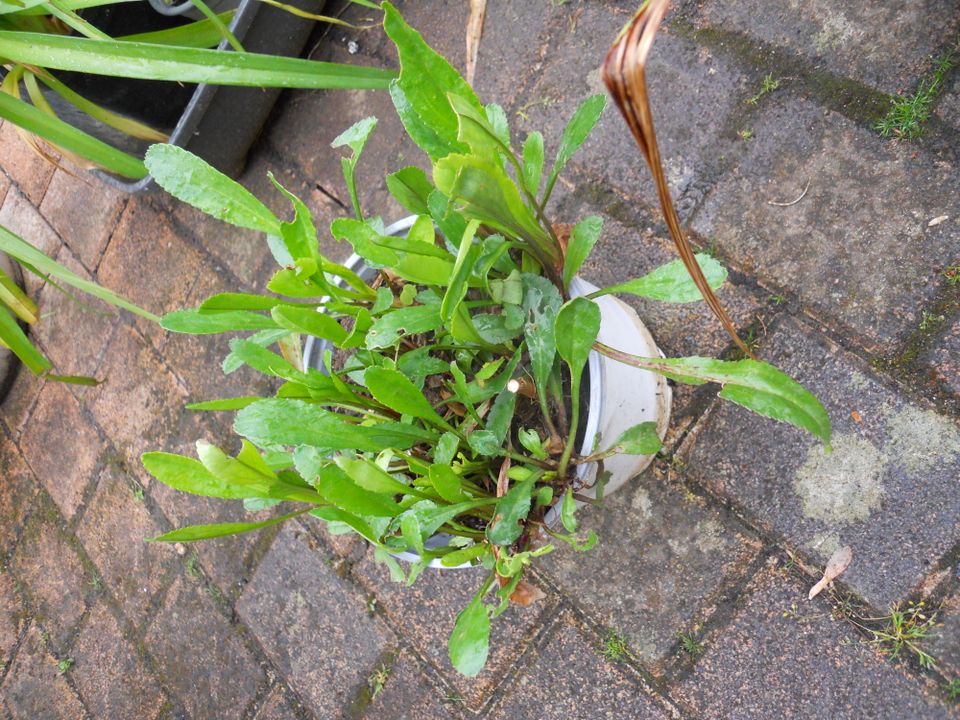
(775, 660)
(868, 205)
(658, 567)
(425, 613)
(314, 627)
(569, 678)
(889, 488)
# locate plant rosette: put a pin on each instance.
(610, 412)
(453, 391)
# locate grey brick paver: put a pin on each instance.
(662, 557)
(313, 626)
(857, 249)
(277, 625)
(783, 656)
(569, 679)
(889, 488)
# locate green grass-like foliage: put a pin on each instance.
(908, 113)
(448, 409)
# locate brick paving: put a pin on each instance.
(704, 560)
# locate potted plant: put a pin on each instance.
(219, 98)
(447, 423)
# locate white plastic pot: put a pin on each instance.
(621, 396)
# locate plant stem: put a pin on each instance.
(574, 421)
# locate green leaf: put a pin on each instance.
(118, 58)
(671, 282)
(310, 322)
(300, 236)
(425, 79)
(361, 525)
(541, 303)
(757, 386)
(370, 477)
(393, 389)
(568, 511)
(574, 134)
(484, 442)
(67, 137)
(641, 439)
(200, 322)
(411, 532)
(486, 193)
(255, 476)
(236, 403)
(205, 532)
(470, 640)
(356, 135)
(14, 338)
(446, 449)
(501, 415)
(387, 330)
(197, 183)
(464, 555)
(462, 268)
(576, 327)
(447, 483)
(337, 488)
(281, 421)
(513, 507)
(189, 475)
(533, 162)
(582, 239)
(411, 188)
(530, 439)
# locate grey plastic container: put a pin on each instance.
(221, 122)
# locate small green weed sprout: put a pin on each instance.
(904, 631)
(908, 113)
(952, 689)
(64, 664)
(769, 85)
(378, 680)
(614, 646)
(691, 645)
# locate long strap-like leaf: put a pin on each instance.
(196, 65)
(624, 73)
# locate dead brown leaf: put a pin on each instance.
(478, 11)
(526, 594)
(624, 74)
(839, 561)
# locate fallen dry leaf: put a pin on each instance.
(526, 594)
(478, 10)
(857, 418)
(838, 562)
